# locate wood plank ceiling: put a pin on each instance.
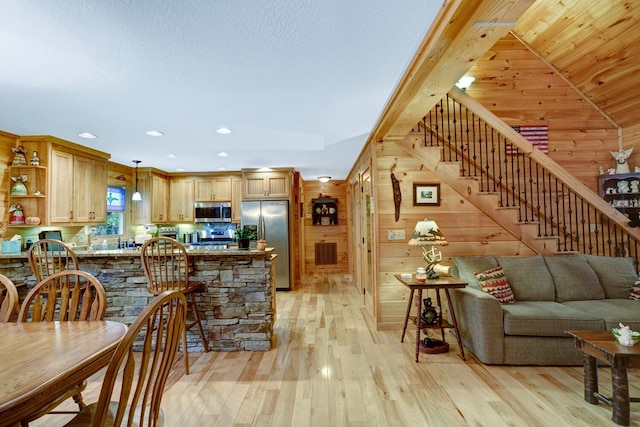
(590, 43)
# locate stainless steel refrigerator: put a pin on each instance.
(271, 218)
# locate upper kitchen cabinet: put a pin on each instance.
(181, 205)
(77, 185)
(267, 185)
(217, 189)
(154, 189)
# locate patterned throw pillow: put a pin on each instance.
(495, 283)
(635, 291)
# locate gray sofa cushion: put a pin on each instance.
(528, 277)
(468, 265)
(546, 319)
(574, 278)
(616, 274)
(613, 311)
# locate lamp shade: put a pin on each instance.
(427, 232)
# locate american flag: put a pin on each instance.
(537, 135)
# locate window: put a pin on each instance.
(116, 200)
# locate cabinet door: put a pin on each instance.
(90, 190)
(278, 185)
(181, 207)
(159, 199)
(99, 191)
(254, 186)
(61, 188)
(141, 209)
(82, 187)
(236, 199)
(222, 189)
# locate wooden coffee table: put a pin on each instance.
(601, 345)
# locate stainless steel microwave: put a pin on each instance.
(213, 212)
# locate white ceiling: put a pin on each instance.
(300, 82)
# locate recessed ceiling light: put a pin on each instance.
(87, 135)
(154, 133)
(222, 168)
(222, 154)
(180, 169)
(223, 131)
(171, 156)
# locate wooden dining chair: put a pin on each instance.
(9, 303)
(65, 295)
(134, 382)
(48, 256)
(68, 295)
(166, 265)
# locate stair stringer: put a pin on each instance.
(488, 203)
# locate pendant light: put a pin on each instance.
(136, 196)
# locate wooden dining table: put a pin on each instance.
(40, 361)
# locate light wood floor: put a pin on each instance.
(332, 368)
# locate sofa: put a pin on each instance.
(552, 294)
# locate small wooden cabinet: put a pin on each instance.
(324, 211)
(622, 191)
(217, 189)
(181, 196)
(267, 185)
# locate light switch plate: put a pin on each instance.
(396, 235)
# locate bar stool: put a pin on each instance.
(166, 265)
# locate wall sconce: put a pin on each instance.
(324, 178)
(136, 195)
(465, 82)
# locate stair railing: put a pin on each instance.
(524, 178)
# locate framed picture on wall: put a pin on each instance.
(426, 194)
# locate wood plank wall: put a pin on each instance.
(325, 233)
(520, 89)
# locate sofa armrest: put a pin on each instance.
(481, 325)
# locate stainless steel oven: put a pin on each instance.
(213, 211)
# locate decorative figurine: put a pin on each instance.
(35, 160)
(19, 159)
(635, 186)
(600, 170)
(17, 215)
(623, 187)
(622, 166)
(19, 189)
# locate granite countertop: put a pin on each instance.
(192, 250)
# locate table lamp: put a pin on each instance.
(427, 233)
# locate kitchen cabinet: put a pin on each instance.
(622, 191)
(153, 208)
(34, 203)
(181, 196)
(79, 184)
(236, 199)
(267, 185)
(216, 189)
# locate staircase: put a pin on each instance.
(521, 188)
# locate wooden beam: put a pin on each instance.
(462, 32)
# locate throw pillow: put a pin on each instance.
(635, 291)
(495, 283)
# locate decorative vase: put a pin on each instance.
(261, 245)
